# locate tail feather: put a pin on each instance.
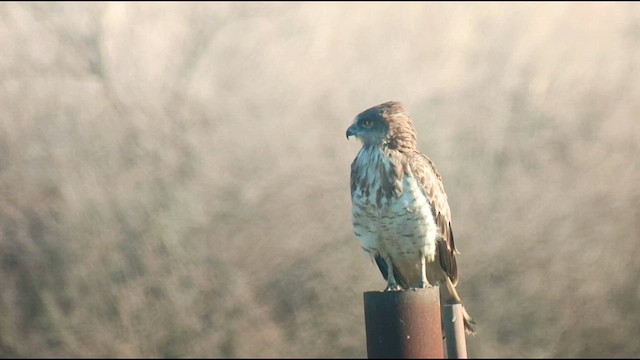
(449, 295)
(469, 324)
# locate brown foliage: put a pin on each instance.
(174, 176)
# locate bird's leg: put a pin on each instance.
(392, 285)
(424, 283)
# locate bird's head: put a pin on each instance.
(387, 124)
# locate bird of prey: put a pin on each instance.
(400, 212)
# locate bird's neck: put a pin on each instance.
(380, 168)
(372, 155)
(404, 144)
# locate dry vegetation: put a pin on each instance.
(174, 177)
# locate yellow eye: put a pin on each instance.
(367, 123)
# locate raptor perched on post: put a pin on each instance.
(400, 211)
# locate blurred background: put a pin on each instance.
(174, 177)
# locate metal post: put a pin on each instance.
(403, 324)
(453, 327)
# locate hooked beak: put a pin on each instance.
(351, 131)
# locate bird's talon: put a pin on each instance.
(393, 287)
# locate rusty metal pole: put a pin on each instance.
(403, 324)
(453, 327)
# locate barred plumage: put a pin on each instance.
(400, 211)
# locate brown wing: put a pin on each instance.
(429, 179)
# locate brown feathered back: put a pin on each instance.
(400, 211)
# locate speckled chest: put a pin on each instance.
(398, 225)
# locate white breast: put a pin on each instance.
(402, 228)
